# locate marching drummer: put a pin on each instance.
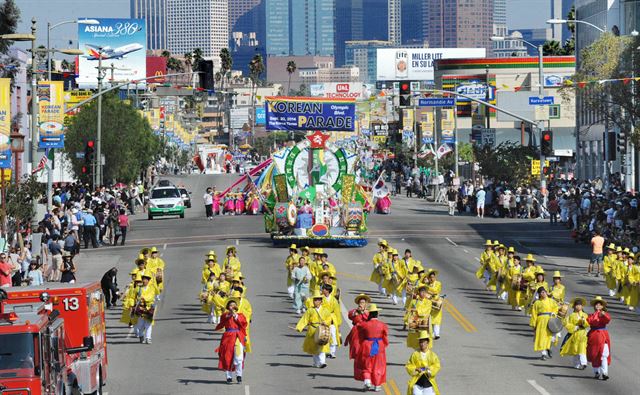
(575, 343)
(434, 288)
(290, 263)
(144, 309)
(379, 260)
(542, 311)
(317, 321)
(422, 367)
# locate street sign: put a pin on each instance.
(437, 102)
(541, 101)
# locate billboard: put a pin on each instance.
(156, 67)
(119, 42)
(51, 114)
(308, 113)
(341, 90)
(416, 64)
(5, 123)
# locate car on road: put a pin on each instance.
(164, 201)
(186, 197)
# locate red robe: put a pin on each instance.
(234, 329)
(374, 367)
(597, 337)
(352, 339)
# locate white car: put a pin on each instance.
(165, 201)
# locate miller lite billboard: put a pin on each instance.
(341, 90)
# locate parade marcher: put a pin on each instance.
(541, 312)
(109, 284)
(315, 319)
(434, 288)
(231, 352)
(145, 309)
(609, 267)
(290, 263)
(379, 260)
(422, 367)
(301, 276)
(372, 356)
(598, 341)
(575, 342)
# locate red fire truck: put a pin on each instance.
(61, 327)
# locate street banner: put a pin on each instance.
(447, 126)
(308, 113)
(121, 43)
(5, 123)
(51, 114)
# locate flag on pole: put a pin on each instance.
(443, 150)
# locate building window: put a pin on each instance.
(554, 111)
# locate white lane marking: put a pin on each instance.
(164, 247)
(345, 314)
(465, 250)
(451, 241)
(237, 242)
(247, 390)
(538, 387)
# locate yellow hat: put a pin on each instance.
(530, 258)
(598, 299)
(153, 249)
(488, 243)
(293, 247)
(557, 274)
(578, 300)
(424, 335)
(373, 308)
(496, 243)
(316, 295)
(511, 249)
(611, 246)
(362, 296)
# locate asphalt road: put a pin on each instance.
(486, 348)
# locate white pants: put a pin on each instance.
(452, 207)
(417, 390)
(319, 359)
(580, 360)
(604, 367)
(334, 340)
(143, 328)
(238, 359)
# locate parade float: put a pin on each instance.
(311, 192)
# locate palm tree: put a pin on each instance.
(291, 68)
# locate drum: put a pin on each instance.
(555, 325)
(437, 304)
(354, 216)
(280, 211)
(515, 282)
(322, 335)
(563, 309)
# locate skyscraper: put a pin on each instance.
(154, 13)
(300, 27)
(198, 24)
(460, 23)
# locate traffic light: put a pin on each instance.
(622, 142)
(546, 143)
(405, 94)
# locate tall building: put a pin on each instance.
(299, 27)
(461, 24)
(200, 24)
(154, 12)
(395, 20)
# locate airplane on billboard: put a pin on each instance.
(96, 52)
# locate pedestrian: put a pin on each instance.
(372, 354)
(316, 319)
(208, 203)
(598, 341)
(109, 284)
(89, 229)
(423, 366)
(123, 225)
(301, 276)
(480, 195)
(597, 244)
(68, 269)
(231, 352)
(452, 199)
(34, 276)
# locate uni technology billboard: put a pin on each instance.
(122, 43)
(416, 64)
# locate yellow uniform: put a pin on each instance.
(419, 364)
(577, 326)
(541, 312)
(311, 319)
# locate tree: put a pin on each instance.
(226, 63)
(291, 68)
(128, 142)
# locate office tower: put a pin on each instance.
(154, 13)
(200, 24)
(460, 24)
